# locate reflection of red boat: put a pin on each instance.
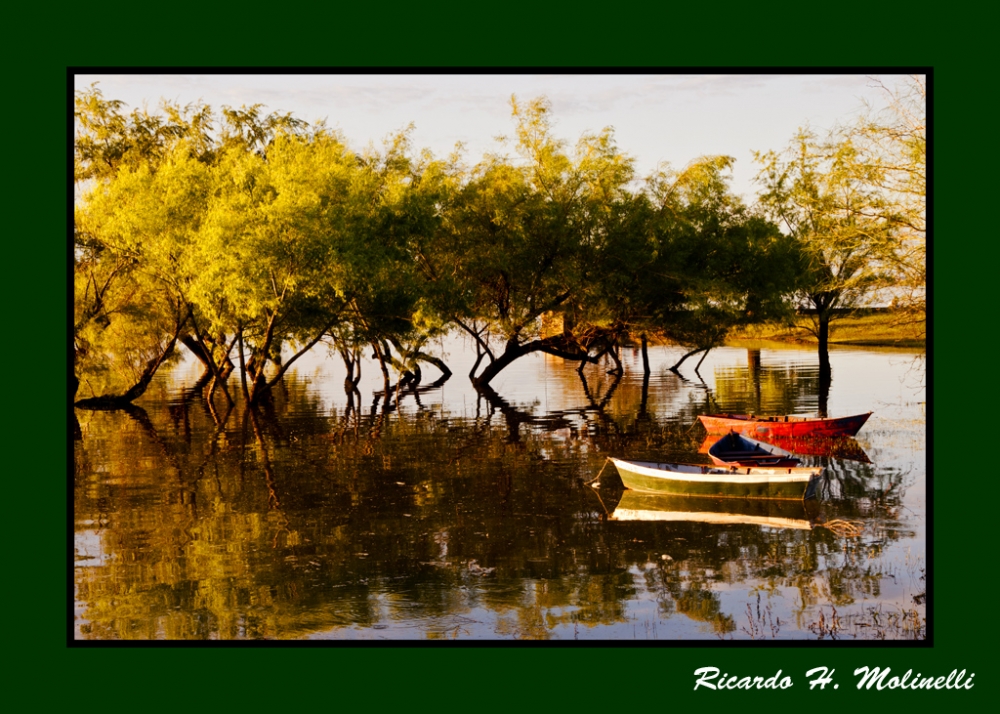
(766, 426)
(840, 447)
(738, 449)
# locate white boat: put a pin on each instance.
(789, 482)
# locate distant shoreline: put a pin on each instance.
(872, 329)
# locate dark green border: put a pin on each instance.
(499, 35)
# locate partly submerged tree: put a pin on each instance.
(521, 233)
(709, 264)
(837, 216)
(144, 182)
(136, 203)
(265, 267)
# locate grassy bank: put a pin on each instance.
(880, 329)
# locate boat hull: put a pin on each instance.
(788, 426)
(793, 483)
(741, 450)
(839, 447)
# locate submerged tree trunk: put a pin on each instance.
(618, 370)
(351, 361)
(643, 414)
(824, 304)
(118, 401)
(515, 351)
(243, 367)
(689, 354)
(698, 366)
(823, 335)
(825, 381)
(204, 353)
(259, 362)
(437, 362)
(381, 357)
(753, 362)
(645, 355)
(283, 366)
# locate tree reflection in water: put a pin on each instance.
(199, 521)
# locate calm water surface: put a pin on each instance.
(460, 516)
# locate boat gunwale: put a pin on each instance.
(780, 418)
(787, 424)
(718, 474)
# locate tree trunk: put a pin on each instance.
(380, 356)
(259, 381)
(619, 370)
(753, 362)
(824, 341)
(265, 386)
(825, 380)
(645, 398)
(118, 401)
(698, 366)
(692, 352)
(204, 353)
(479, 358)
(515, 351)
(243, 367)
(496, 366)
(349, 362)
(645, 355)
(436, 362)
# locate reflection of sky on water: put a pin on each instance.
(88, 551)
(889, 383)
(885, 564)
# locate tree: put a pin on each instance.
(693, 261)
(520, 237)
(264, 266)
(204, 237)
(128, 313)
(893, 156)
(838, 218)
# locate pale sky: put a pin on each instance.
(672, 118)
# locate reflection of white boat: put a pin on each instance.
(769, 513)
(719, 481)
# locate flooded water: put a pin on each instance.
(462, 516)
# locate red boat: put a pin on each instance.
(763, 426)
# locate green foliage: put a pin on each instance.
(107, 139)
(523, 231)
(260, 230)
(892, 158)
(836, 214)
(687, 261)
